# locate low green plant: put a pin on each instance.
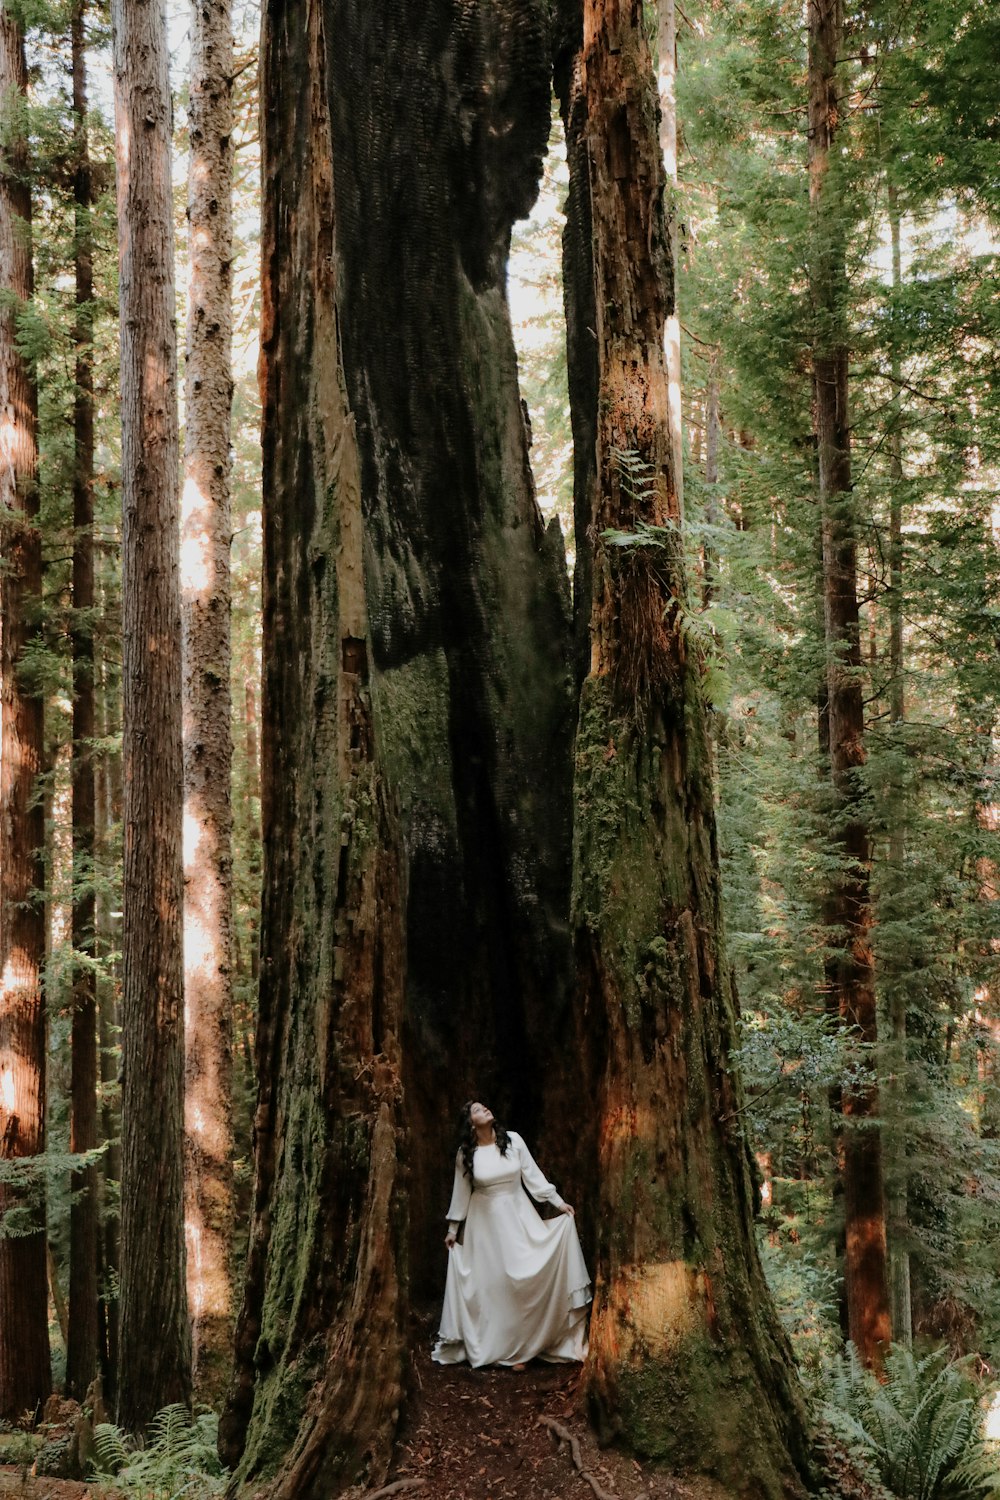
(179, 1459)
(920, 1428)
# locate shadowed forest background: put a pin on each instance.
(499, 598)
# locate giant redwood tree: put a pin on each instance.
(25, 1378)
(155, 1344)
(318, 1373)
(688, 1362)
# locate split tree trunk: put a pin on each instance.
(206, 530)
(688, 1362)
(155, 1343)
(319, 1343)
(848, 905)
(83, 1343)
(25, 1376)
(468, 596)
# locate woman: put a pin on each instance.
(517, 1286)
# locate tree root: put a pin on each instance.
(397, 1487)
(563, 1435)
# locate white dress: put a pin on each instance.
(517, 1286)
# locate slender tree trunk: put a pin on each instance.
(108, 1023)
(848, 910)
(688, 1362)
(205, 584)
(712, 434)
(25, 1377)
(82, 1346)
(897, 1212)
(319, 1340)
(155, 1353)
(667, 84)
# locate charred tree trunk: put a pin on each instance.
(155, 1344)
(82, 1349)
(25, 1376)
(319, 1338)
(688, 1362)
(468, 596)
(848, 908)
(206, 529)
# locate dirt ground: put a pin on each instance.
(477, 1435)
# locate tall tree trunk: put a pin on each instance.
(848, 910)
(468, 595)
(688, 1362)
(25, 1377)
(82, 1345)
(667, 86)
(208, 820)
(897, 1210)
(155, 1349)
(319, 1340)
(108, 1023)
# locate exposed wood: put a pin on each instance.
(155, 1344)
(25, 1379)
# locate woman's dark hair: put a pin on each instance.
(467, 1141)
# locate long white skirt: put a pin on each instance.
(517, 1286)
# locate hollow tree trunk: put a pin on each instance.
(319, 1338)
(688, 1362)
(848, 907)
(468, 597)
(83, 1343)
(155, 1344)
(25, 1377)
(206, 530)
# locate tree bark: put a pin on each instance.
(155, 1345)
(666, 47)
(688, 1362)
(848, 909)
(468, 595)
(319, 1344)
(206, 530)
(25, 1376)
(82, 1350)
(897, 1206)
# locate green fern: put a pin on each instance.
(179, 1458)
(920, 1429)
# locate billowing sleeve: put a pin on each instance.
(460, 1195)
(538, 1186)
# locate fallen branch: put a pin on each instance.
(563, 1435)
(396, 1488)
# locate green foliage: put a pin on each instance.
(179, 1458)
(920, 1429)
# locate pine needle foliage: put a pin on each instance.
(921, 1429)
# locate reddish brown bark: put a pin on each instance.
(155, 1347)
(847, 908)
(688, 1362)
(319, 1341)
(206, 529)
(25, 1378)
(82, 1343)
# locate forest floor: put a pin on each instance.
(494, 1434)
